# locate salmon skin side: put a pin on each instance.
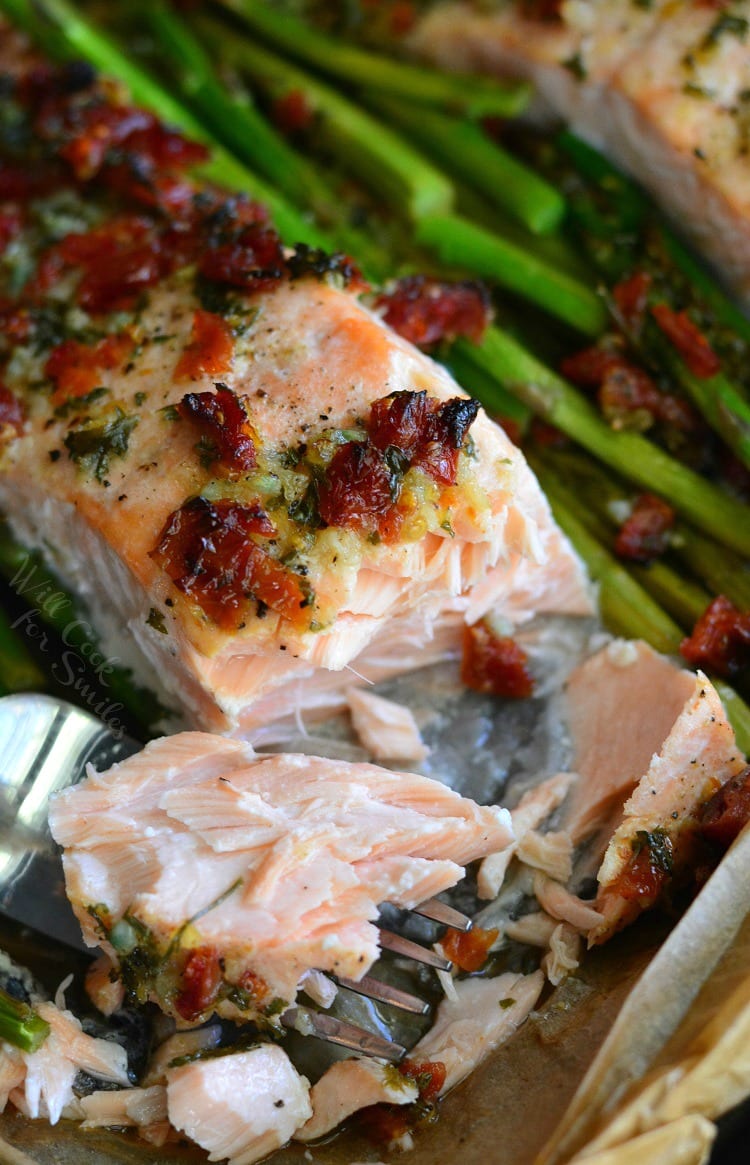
(660, 87)
(251, 481)
(216, 879)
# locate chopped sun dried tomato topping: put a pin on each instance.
(223, 422)
(644, 535)
(495, 665)
(11, 410)
(631, 297)
(428, 1075)
(624, 390)
(253, 261)
(444, 433)
(357, 491)
(75, 367)
(427, 311)
(647, 871)
(726, 814)
(209, 352)
(688, 340)
(398, 420)
(720, 641)
(199, 983)
(292, 113)
(207, 549)
(468, 949)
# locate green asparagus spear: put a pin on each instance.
(468, 153)
(474, 96)
(637, 459)
(380, 157)
(62, 29)
(460, 243)
(20, 1025)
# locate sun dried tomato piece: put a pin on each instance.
(427, 311)
(589, 367)
(210, 350)
(11, 222)
(726, 814)
(468, 949)
(358, 488)
(688, 339)
(292, 113)
(647, 872)
(19, 183)
(495, 665)
(207, 549)
(428, 1075)
(118, 259)
(547, 436)
(543, 10)
(74, 367)
(631, 297)
(11, 410)
(200, 981)
(720, 641)
(253, 261)
(223, 422)
(644, 535)
(443, 435)
(402, 18)
(398, 420)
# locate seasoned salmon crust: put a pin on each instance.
(250, 479)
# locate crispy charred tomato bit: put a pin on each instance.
(362, 483)
(495, 665)
(74, 367)
(226, 434)
(428, 311)
(209, 352)
(468, 949)
(208, 550)
(11, 410)
(726, 813)
(337, 267)
(648, 870)
(428, 1075)
(688, 339)
(631, 298)
(200, 982)
(720, 641)
(644, 535)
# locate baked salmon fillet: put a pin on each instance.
(661, 87)
(261, 492)
(216, 879)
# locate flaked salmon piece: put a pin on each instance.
(535, 929)
(348, 1086)
(485, 1013)
(621, 705)
(250, 480)
(387, 730)
(563, 955)
(40, 1083)
(216, 879)
(660, 817)
(128, 1107)
(660, 87)
(557, 901)
(552, 853)
(240, 1106)
(535, 806)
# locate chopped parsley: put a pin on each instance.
(94, 446)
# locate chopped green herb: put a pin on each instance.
(95, 445)
(169, 412)
(509, 1001)
(725, 24)
(156, 620)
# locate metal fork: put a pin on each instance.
(45, 745)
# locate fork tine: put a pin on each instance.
(336, 1031)
(440, 912)
(409, 950)
(373, 988)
